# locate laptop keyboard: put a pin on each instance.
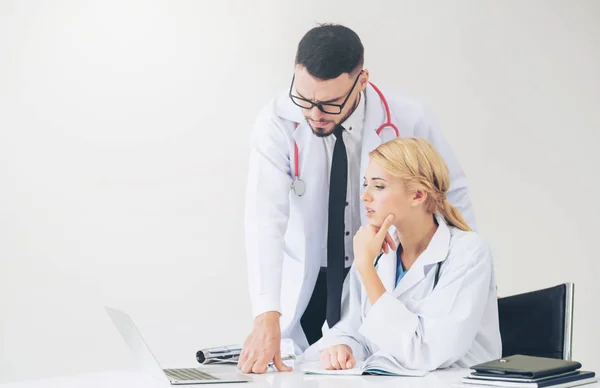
(187, 374)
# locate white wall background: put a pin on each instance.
(124, 138)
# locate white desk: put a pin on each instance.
(295, 379)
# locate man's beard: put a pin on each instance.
(319, 132)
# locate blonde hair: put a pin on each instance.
(421, 167)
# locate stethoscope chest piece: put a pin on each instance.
(298, 187)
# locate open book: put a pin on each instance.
(374, 365)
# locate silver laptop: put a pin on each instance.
(150, 365)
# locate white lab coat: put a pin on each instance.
(454, 325)
(286, 235)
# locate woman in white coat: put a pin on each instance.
(430, 304)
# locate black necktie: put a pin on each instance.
(335, 234)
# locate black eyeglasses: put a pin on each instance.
(332, 109)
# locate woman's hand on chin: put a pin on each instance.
(370, 240)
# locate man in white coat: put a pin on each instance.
(308, 156)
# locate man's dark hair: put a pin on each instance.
(329, 50)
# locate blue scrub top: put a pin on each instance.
(399, 270)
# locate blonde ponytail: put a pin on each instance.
(421, 167)
(453, 216)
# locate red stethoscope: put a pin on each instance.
(298, 185)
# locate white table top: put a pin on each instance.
(272, 379)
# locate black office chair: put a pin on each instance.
(538, 323)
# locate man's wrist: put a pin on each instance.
(268, 317)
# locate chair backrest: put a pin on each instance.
(538, 323)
